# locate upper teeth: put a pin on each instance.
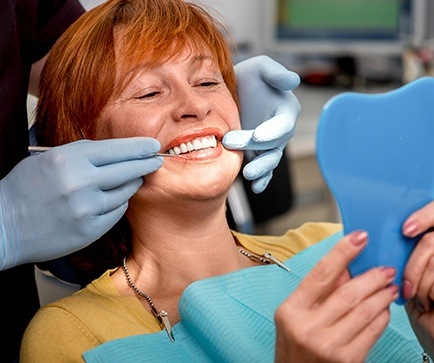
(196, 144)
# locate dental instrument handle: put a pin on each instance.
(38, 149)
(41, 149)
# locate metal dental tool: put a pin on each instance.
(41, 149)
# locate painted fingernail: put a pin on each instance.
(358, 238)
(407, 289)
(389, 272)
(394, 289)
(410, 229)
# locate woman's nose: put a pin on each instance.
(191, 105)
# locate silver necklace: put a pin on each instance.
(162, 316)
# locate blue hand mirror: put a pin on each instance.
(376, 154)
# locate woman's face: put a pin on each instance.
(185, 105)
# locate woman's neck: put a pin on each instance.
(190, 248)
(170, 253)
(175, 248)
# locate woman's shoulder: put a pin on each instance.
(98, 307)
(78, 304)
(83, 320)
(60, 330)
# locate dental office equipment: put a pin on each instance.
(40, 149)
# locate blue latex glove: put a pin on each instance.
(269, 112)
(57, 202)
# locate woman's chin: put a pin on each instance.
(195, 180)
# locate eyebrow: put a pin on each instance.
(202, 57)
(197, 59)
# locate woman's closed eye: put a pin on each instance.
(209, 83)
(147, 95)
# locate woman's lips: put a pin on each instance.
(197, 144)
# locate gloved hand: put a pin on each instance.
(57, 202)
(269, 111)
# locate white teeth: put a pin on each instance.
(177, 150)
(213, 142)
(184, 148)
(206, 143)
(196, 144)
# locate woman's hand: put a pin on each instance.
(331, 317)
(418, 285)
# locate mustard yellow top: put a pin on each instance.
(61, 331)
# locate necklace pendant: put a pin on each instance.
(276, 261)
(163, 318)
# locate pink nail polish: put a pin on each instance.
(394, 289)
(358, 238)
(407, 289)
(410, 229)
(389, 272)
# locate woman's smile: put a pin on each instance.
(197, 145)
(194, 145)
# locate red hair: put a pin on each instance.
(83, 71)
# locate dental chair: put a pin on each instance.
(247, 210)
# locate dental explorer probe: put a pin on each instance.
(41, 149)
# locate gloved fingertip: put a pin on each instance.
(153, 164)
(237, 139)
(262, 164)
(250, 173)
(123, 208)
(295, 79)
(278, 76)
(136, 184)
(258, 189)
(160, 162)
(152, 141)
(148, 146)
(259, 185)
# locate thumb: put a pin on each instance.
(277, 76)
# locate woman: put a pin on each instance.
(162, 69)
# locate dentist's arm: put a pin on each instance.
(269, 112)
(57, 202)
